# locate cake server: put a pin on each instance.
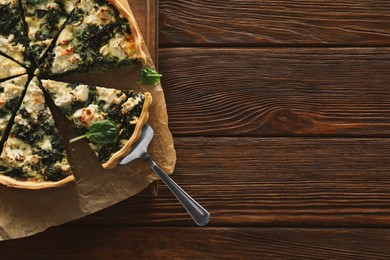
(140, 150)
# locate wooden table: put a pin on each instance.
(281, 116)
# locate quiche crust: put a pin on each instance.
(143, 119)
(10, 182)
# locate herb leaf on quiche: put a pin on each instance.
(149, 76)
(100, 132)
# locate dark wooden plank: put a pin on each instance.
(146, 14)
(202, 243)
(277, 92)
(271, 22)
(271, 182)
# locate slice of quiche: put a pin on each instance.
(86, 105)
(10, 95)
(10, 68)
(44, 19)
(33, 156)
(13, 39)
(96, 37)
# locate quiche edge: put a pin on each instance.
(10, 182)
(143, 119)
(135, 31)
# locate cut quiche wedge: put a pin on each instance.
(33, 156)
(96, 37)
(10, 96)
(44, 20)
(13, 40)
(85, 105)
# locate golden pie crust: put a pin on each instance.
(10, 182)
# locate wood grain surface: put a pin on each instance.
(270, 181)
(277, 92)
(206, 243)
(253, 22)
(281, 116)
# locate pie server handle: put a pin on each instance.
(196, 211)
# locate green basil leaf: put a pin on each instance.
(101, 132)
(149, 76)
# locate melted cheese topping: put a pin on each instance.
(65, 59)
(34, 25)
(121, 47)
(12, 89)
(63, 94)
(100, 15)
(4, 122)
(130, 104)
(14, 51)
(15, 152)
(46, 144)
(10, 68)
(88, 115)
(81, 93)
(34, 101)
(109, 96)
(34, 104)
(12, 3)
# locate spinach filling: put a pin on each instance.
(3, 113)
(105, 151)
(48, 28)
(12, 104)
(92, 39)
(15, 173)
(11, 23)
(53, 173)
(50, 24)
(28, 133)
(33, 134)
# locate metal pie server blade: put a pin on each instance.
(140, 150)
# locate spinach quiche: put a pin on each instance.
(96, 36)
(43, 39)
(13, 40)
(85, 105)
(44, 19)
(33, 156)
